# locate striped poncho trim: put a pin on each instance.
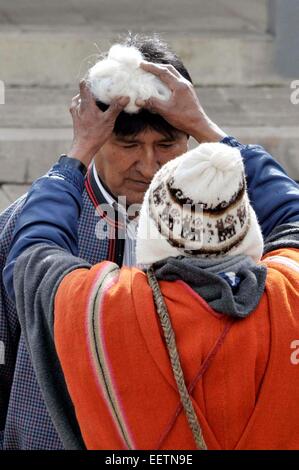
(108, 276)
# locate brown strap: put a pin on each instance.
(169, 336)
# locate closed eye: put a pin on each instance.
(166, 145)
(129, 146)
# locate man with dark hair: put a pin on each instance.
(124, 166)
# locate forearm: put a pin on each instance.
(50, 216)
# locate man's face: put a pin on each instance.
(127, 164)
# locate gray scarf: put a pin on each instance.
(232, 285)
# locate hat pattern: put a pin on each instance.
(195, 227)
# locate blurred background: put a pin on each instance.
(243, 56)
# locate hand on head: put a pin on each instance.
(183, 110)
(92, 127)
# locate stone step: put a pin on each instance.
(119, 16)
(10, 192)
(27, 154)
(47, 108)
(42, 58)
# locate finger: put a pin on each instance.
(85, 92)
(162, 72)
(76, 97)
(175, 72)
(74, 103)
(116, 106)
(75, 100)
(154, 105)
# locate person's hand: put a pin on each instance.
(183, 110)
(92, 127)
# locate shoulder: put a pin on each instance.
(103, 286)
(283, 274)
(283, 260)
(84, 285)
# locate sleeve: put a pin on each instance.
(54, 287)
(38, 273)
(283, 236)
(273, 194)
(50, 215)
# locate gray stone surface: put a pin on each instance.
(25, 154)
(286, 37)
(282, 143)
(62, 58)
(36, 107)
(114, 15)
(48, 108)
(221, 41)
(14, 191)
(10, 192)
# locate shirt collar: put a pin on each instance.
(102, 193)
(108, 197)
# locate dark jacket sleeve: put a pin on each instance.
(50, 215)
(38, 273)
(273, 194)
(283, 236)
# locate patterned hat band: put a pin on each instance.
(193, 228)
(178, 197)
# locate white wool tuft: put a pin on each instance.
(210, 173)
(120, 75)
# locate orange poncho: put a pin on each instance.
(240, 375)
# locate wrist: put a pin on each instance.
(72, 163)
(84, 155)
(207, 131)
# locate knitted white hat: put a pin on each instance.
(120, 75)
(197, 205)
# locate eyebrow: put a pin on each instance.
(134, 139)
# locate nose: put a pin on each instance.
(148, 164)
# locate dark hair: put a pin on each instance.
(154, 49)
